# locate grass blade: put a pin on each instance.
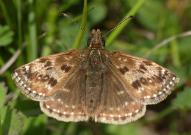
(122, 25)
(80, 34)
(32, 48)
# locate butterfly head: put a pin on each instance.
(96, 40)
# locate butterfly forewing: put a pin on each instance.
(42, 77)
(146, 81)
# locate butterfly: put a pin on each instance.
(94, 84)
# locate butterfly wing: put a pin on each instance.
(146, 81)
(41, 78)
(68, 105)
(116, 106)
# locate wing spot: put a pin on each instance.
(15, 75)
(123, 70)
(39, 76)
(73, 106)
(40, 94)
(52, 81)
(157, 78)
(59, 100)
(126, 103)
(142, 88)
(58, 111)
(49, 68)
(136, 84)
(160, 93)
(91, 101)
(163, 71)
(27, 68)
(150, 81)
(65, 68)
(45, 78)
(130, 114)
(148, 63)
(171, 83)
(164, 89)
(124, 60)
(47, 106)
(47, 64)
(139, 91)
(103, 114)
(143, 81)
(42, 60)
(111, 115)
(142, 67)
(136, 111)
(21, 83)
(17, 79)
(174, 78)
(119, 58)
(27, 92)
(34, 92)
(141, 71)
(54, 110)
(147, 97)
(120, 92)
(154, 95)
(168, 87)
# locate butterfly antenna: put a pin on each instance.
(70, 16)
(126, 18)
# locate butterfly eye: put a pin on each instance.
(88, 42)
(103, 42)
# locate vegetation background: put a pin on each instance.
(30, 29)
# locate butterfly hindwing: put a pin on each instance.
(116, 106)
(68, 103)
(40, 78)
(146, 81)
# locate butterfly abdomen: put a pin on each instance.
(93, 91)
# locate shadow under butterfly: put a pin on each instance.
(96, 84)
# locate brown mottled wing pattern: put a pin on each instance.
(146, 81)
(116, 106)
(68, 105)
(108, 87)
(41, 78)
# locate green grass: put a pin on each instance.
(83, 26)
(38, 28)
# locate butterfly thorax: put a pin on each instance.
(96, 59)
